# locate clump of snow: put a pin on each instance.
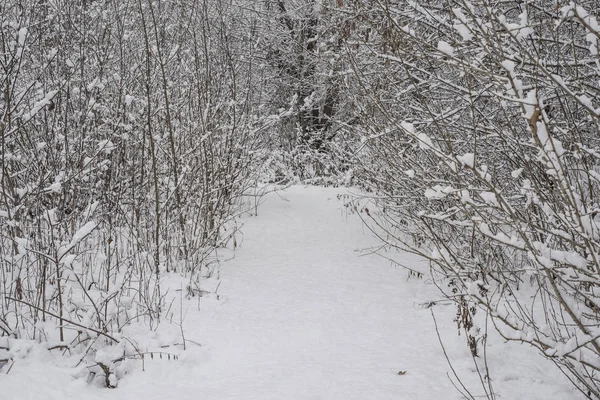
(461, 25)
(106, 146)
(438, 192)
(39, 105)
(524, 29)
(490, 198)
(516, 173)
(408, 127)
(445, 48)
(509, 66)
(467, 159)
(484, 173)
(95, 83)
(521, 29)
(409, 30)
(22, 36)
(82, 232)
(530, 103)
(591, 24)
(425, 142)
(56, 187)
(79, 235)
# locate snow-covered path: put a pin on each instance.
(303, 313)
(307, 317)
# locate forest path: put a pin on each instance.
(308, 315)
(304, 312)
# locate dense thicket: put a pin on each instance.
(127, 132)
(482, 146)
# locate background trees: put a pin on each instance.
(303, 48)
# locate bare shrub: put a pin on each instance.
(481, 131)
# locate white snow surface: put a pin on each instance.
(305, 311)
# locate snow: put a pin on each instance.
(21, 40)
(461, 25)
(591, 25)
(82, 232)
(516, 173)
(79, 235)
(467, 159)
(438, 192)
(501, 237)
(106, 146)
(22, 36)
(56, 187)
(39, 105)
(520, 30)
(445, 48)
(490, 198)
(530, 103)
(408, 127)
(425, 142)
(304, 311)
(509, 66)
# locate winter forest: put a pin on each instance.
(156, 153)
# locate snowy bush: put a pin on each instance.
(126, 131)
(483, 151)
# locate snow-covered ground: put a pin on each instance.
(303, 312)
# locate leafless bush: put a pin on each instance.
(127, 131)
(481, 145)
